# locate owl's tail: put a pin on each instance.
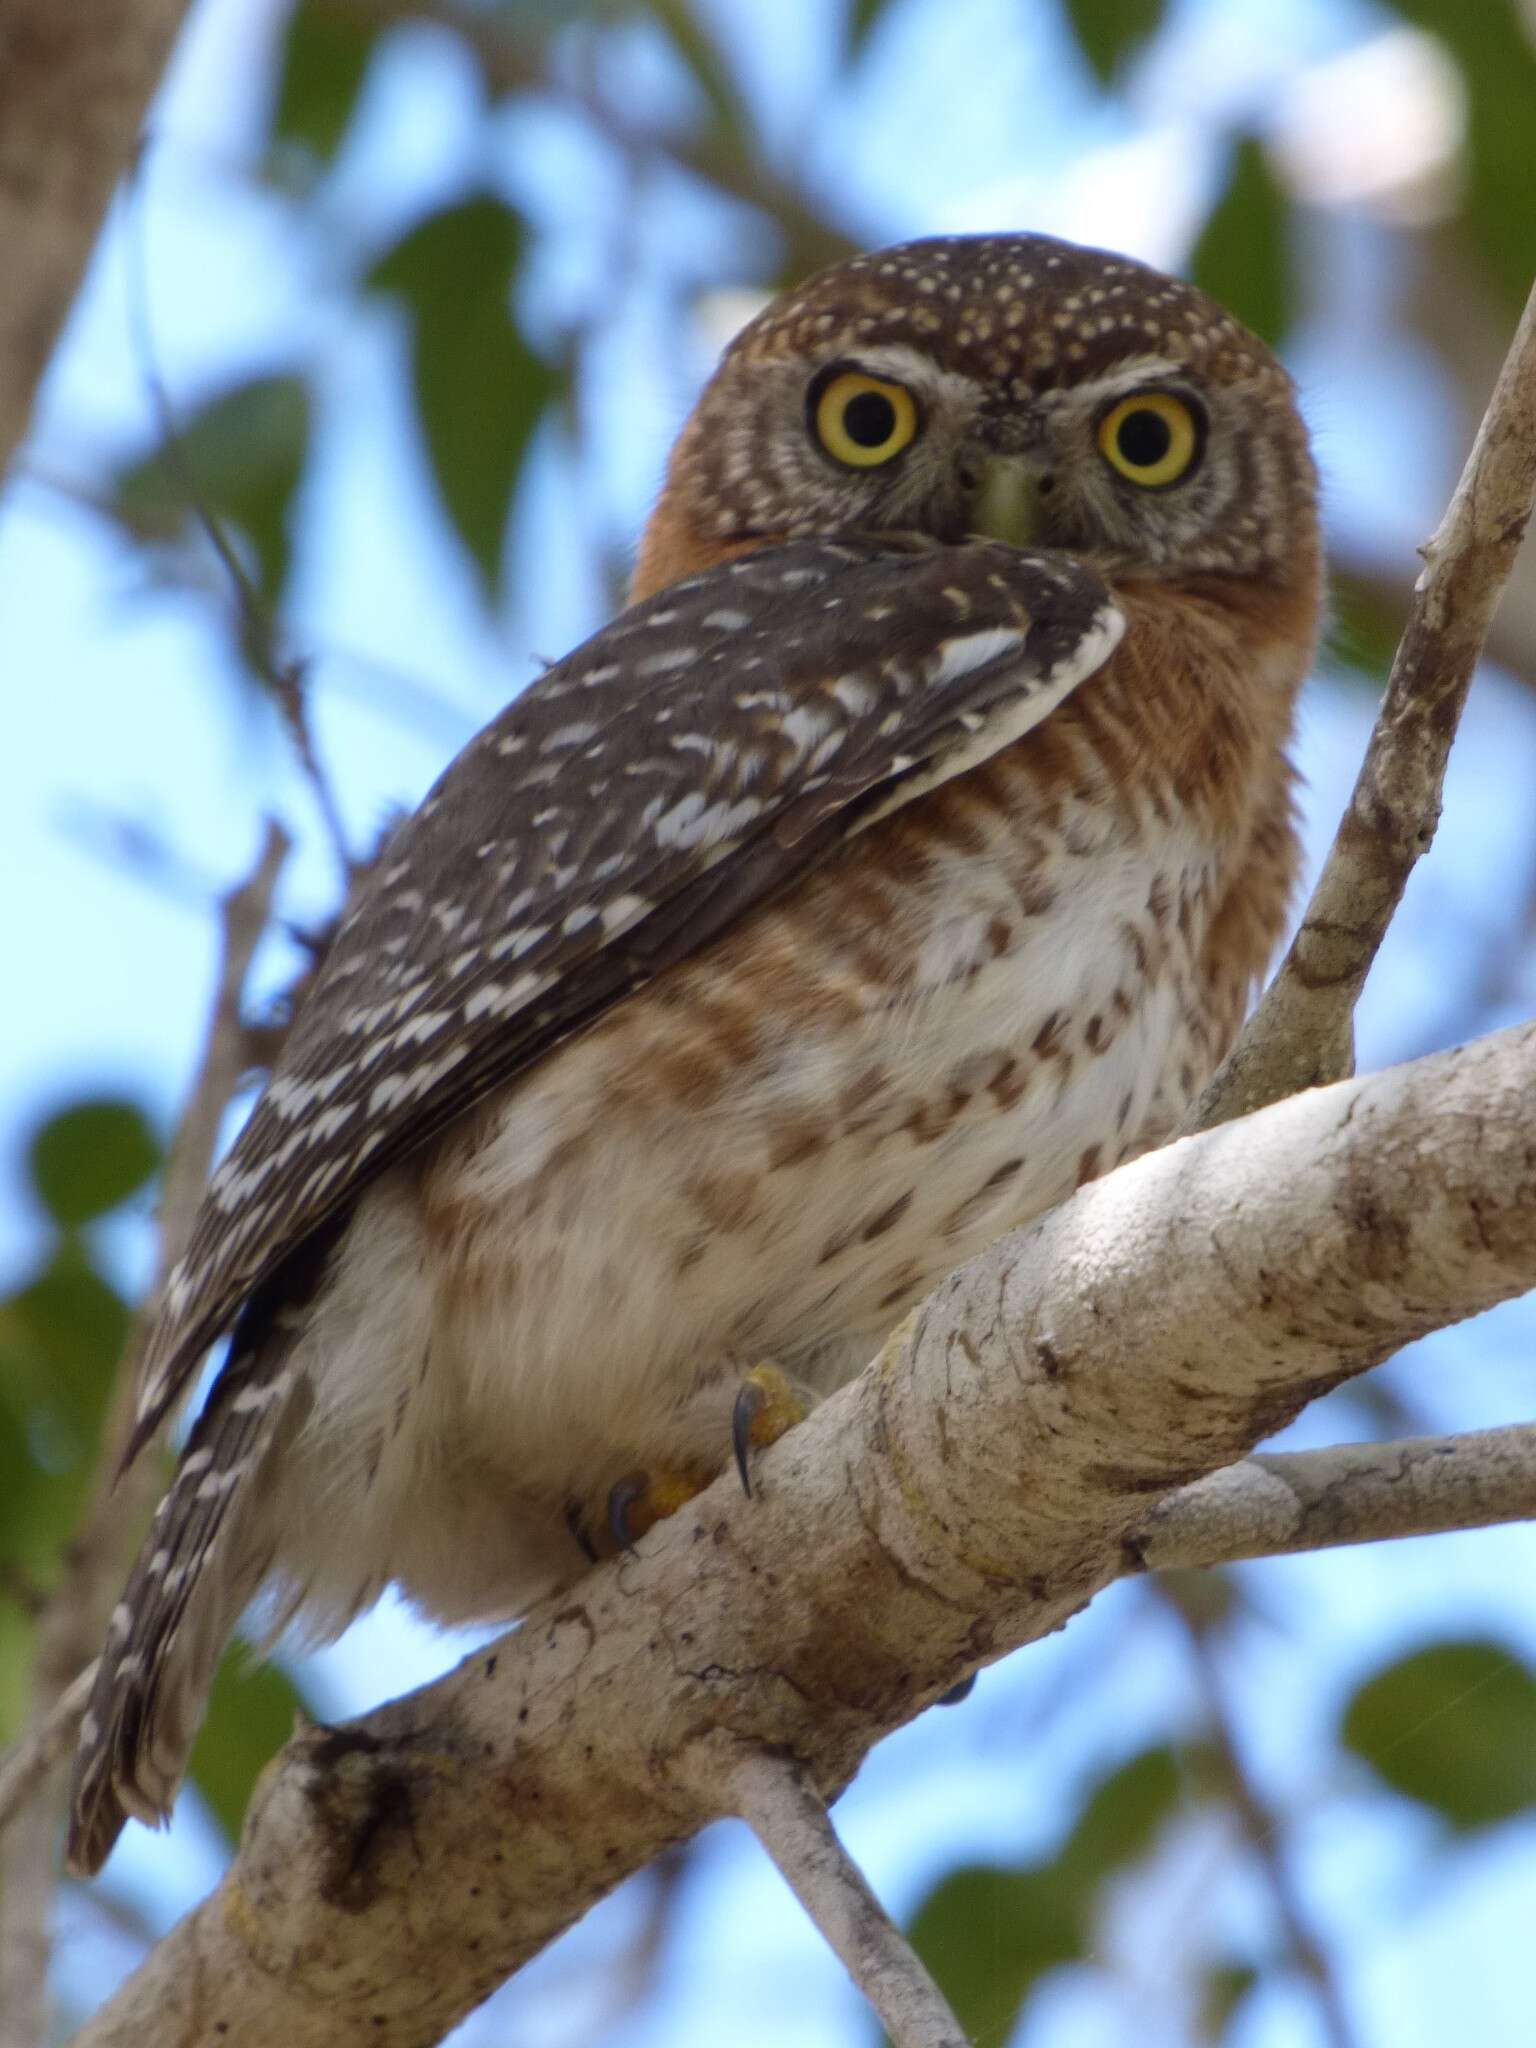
(204, 1558)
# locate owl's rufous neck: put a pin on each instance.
(671, 549)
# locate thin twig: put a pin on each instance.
(1302, 1033)
(774, 1798)
(1287, 1502)
(92, 1567)
(1262, 1832)
(285, 679)
(43, 1744)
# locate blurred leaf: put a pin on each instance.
(688, 36)
(90, 1157)
(1222, 1991)
(62, 1335)
(1364, 627)
(325, 59)
(1111, 32)
(28, 1528)
(16, 1652)
(988, 1934)
(480, 389)
(1243, 255)
(863, 20)
(1121, 1818)
(1498, 62)
(1453, 1726)
(251, 1712)
(241, 455)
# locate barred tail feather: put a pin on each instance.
(200, 1566)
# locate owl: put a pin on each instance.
(904, 856)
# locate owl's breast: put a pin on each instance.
(780, 1146)
(771, 1153)
(1040, 1007)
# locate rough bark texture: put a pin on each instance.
(75, 82)
(991, 1472)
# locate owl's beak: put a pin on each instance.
(1006, 505)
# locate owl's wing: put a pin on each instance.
(685, 763)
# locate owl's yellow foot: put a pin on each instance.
(642, 1499)
(765, 1408)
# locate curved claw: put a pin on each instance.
(749, 1402)
(766, 1407)
(622, 1498)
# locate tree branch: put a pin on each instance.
(1303, 1031)
(74, 86)
(74, 1616)
(792, 1823)
(1289, 1502)
(44, 1744)
(977, 1486)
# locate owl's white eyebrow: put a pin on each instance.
(910, 366)
(1130, 375)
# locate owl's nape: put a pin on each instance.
(859, 892)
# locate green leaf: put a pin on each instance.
(1454, 1727)
(1493, 48)
(251, 1712)
(988, 1934)
(1243, 255)
(1110, 33)
(63, 1334)
(1121, 1818)
(1363, 631)
(61, 1337)
(1223, 1988)
(240, 455)
(480, 389)
(90, 1157)
(17, 1650)
(326, 53)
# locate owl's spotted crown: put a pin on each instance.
(1017, 312)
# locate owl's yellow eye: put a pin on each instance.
(1153, 438)
(863, 421)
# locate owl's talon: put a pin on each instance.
(622, 1501)
(642, 1499)
(766, 1407)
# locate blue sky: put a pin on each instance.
(121, 701)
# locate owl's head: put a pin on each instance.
(1009, 385)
